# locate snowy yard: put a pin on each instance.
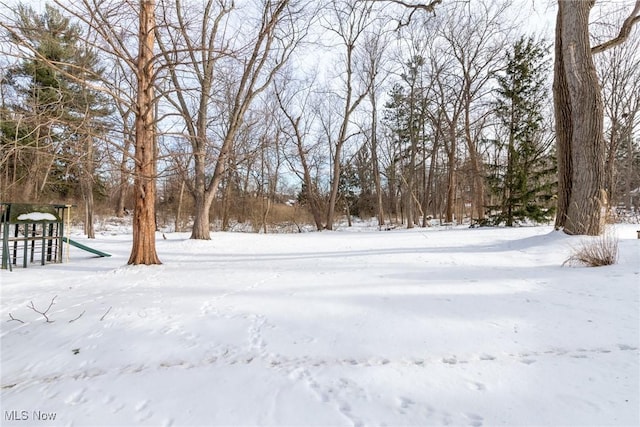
(463, 327)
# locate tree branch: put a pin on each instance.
(105, 315)
(44, 313)
(429, 7)
(625, 30)
(73, 320)
(11, 318)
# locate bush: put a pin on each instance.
(597, 251)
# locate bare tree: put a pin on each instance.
(110, 23)
(123, 138)
(475, 39)
(207, 57)
(619, 71)
(347, 21)
(579, 118)
(446, 121)
(298, 116)
(375, 46)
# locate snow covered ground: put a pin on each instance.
(463, 327)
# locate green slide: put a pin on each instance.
(85, 248)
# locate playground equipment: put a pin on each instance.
(84, 247)
(35, 233)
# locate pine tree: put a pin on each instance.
(524, 181)
(54, 116)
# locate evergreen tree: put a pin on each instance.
(349, 190)
(54, 116)
(524, 181)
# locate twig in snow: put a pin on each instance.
(11, 318)
(44, 313)
(73, 320)
(105, 315)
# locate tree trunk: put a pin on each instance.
(312, 194)
(374, 157)
(201, 208)
(411, 184)
(123, 177)
(428, 194)
(178, 223)
(87, 195)
(144, 224)
(477, 196)
(564, 127)
(610, 162)
(586, 201)
(630, 159)
(451, 174)
(86, 186)
(201, 221)
(335, 182)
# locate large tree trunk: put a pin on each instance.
(144, 224)
(201, 208)
(579, 120)
(200, 229)
(564, 127)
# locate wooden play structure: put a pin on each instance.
(34, 233)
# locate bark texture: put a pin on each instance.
(144, 223)
(579, 122)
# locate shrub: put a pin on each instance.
(597, 251)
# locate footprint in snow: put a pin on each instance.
(476, 386)
(405, 403)
(625, 347)
(142, 408)
(474, 419)
(76, 397)
(141, 405)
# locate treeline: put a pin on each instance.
(345, 107)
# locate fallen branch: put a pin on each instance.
(44, 313)
(11, 318)
(73, 320)
(105, 315)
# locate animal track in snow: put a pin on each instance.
(473, 385)
(405, 403)
(142, 408)
(474, 419)
(487, 357)
(625, 347)
(76, 397)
